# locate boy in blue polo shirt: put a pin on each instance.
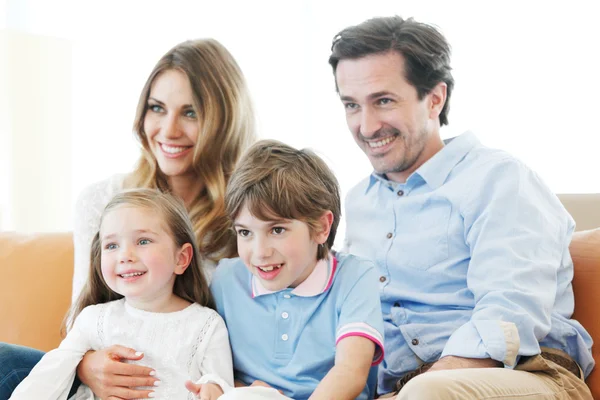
(306, 322)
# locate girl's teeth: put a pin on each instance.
(267, 269)
(132, 274)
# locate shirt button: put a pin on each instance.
(400, 193)
(284, 337)
(389, 235)
(287, 296)
(415, 342)
(284, 315)
(382, 279)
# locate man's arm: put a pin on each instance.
(518, 233)
(347, 378)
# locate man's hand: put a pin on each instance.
(205, 391)
(453, 362)
(110, 378)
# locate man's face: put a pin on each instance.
(396, 130)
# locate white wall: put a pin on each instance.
(524, 70)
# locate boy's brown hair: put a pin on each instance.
(275, 180)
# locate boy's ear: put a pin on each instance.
(325, 222)
(184, 258)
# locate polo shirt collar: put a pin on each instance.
(435, 170)
(319, 281)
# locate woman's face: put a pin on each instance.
(171, 123)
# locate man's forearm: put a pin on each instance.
(453, 362)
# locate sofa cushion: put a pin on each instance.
(35, 293)
(585, 250)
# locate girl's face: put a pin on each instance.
(139, 258)
(280, 253)
(171, 123)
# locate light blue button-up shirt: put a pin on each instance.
(473, 258)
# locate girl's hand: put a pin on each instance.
(205, 391)
(110, 378)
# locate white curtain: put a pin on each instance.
(525, 76)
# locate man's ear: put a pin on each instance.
(437, 99)
(325, 221)
(184, 258)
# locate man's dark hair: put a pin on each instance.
(425, 51)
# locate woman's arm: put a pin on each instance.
(347, 378)
(110, 377)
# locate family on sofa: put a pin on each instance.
(456, 255)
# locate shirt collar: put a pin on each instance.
(319, 281)
(435, 170)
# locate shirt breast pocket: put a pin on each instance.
(422, 239)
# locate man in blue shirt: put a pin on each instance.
(471, 246)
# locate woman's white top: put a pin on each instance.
(185, 345)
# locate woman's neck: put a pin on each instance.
(187, 188)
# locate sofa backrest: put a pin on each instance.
(35, 287)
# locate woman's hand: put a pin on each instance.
(205, 391)
(109, 377)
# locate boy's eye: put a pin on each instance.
(243, 232)
(278, 230)
(144, 241)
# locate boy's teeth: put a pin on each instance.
(132, 274)
(269, 268)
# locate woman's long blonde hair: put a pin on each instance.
(226, 128)
(191, 285)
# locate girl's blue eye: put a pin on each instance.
(110, 246)
(144, 241)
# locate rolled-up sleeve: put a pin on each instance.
(516, 230)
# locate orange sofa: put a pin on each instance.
(36, 271)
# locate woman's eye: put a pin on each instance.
(155, 108)
(278, 230)
(190, 114)
(144, 241)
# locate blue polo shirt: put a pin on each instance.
(288, 338)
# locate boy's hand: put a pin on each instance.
(264, 384)
(205, 391)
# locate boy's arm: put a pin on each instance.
(346, 380)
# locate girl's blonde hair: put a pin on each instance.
(191, 285)
(226, 128)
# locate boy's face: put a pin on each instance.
(281, 253)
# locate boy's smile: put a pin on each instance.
(281, 253)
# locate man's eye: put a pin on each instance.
(351, 106)
(384, 101)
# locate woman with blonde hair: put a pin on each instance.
(193, 121)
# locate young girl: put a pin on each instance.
(146, 290)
